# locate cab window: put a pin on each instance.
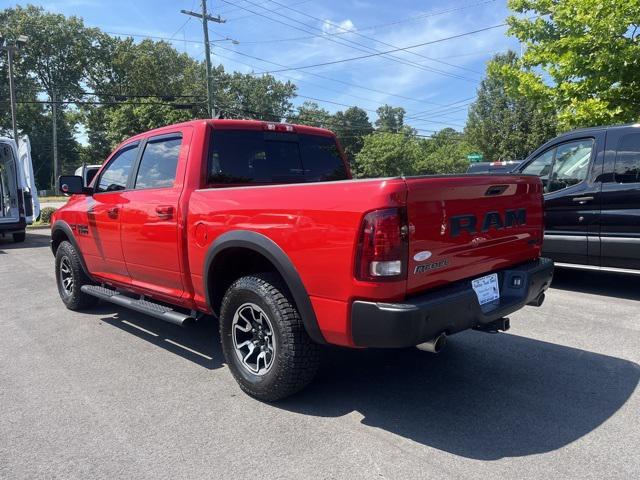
(256, 157)
(571, 164)
(562, 166)
(115, 175)
(159, 162)
(627, 166)
(541, 165)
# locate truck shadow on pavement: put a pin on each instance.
(616, 285)
(198, 343)
(484, 397)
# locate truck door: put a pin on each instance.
(620, 220)
(99, 232)
(150, 216)
(572, 202)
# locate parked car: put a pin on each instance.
(494, 167)
(591, 179)
(18, 195)
(261, 225)
(88, 173)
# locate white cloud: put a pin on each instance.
(329, 27)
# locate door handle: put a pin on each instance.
(582, 200)
(164, 211)
(113, 212)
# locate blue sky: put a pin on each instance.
(299, 34)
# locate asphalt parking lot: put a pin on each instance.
(114, 394)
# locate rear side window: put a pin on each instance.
(256, 157)
(115, 175)
(627, 166)
(159, 162)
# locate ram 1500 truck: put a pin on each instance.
(261, 225)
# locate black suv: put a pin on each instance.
(591, 179)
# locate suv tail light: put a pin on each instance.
(383, 246)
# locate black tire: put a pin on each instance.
(296, 358)
(68, 259)
(19, 237)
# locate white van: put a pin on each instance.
(87, 172)
(19, 205)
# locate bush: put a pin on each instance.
(45, 214)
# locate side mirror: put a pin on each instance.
(71, 184)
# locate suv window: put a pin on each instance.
(116, 173)
(562, 166)
(159, 162)
(247, 156)
(571, 164)
(541, 165)
(627, 166)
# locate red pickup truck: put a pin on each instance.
(261, 225)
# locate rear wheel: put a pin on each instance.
(264, 340)
(19, 237)
(70, 278)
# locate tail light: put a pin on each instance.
(383, 246)
(279, 127)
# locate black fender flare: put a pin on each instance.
(271, 251)
(61, 225)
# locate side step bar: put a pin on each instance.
(139, 305)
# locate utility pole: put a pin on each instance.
(11, 47)
(54, 118)
(207, 49)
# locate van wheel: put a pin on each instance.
(264, 340)
(19, 237)
(71, 277)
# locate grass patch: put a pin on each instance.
(60, 198)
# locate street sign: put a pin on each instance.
(475, 157)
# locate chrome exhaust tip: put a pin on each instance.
(435, 345)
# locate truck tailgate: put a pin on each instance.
(467, 226)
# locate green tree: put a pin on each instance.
(242, 95)
(351, 126)
(390, 119)
(389, 154)
(504, 125)
(310, 113)
(444, 153)
(582, 58)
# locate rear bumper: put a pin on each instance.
(450, 309)
(19, 226)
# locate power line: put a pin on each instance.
(347, 30)
(316, 85)
(371, 27)
(400, 49)
(350, 43)
(317, 75)
(350, 84)
(237, 9)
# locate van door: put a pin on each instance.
(620, 220)
(150, 216)
(572, 197)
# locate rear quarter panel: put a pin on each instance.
(316, 225)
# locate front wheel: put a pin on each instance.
(264, 340)
(71, 277)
